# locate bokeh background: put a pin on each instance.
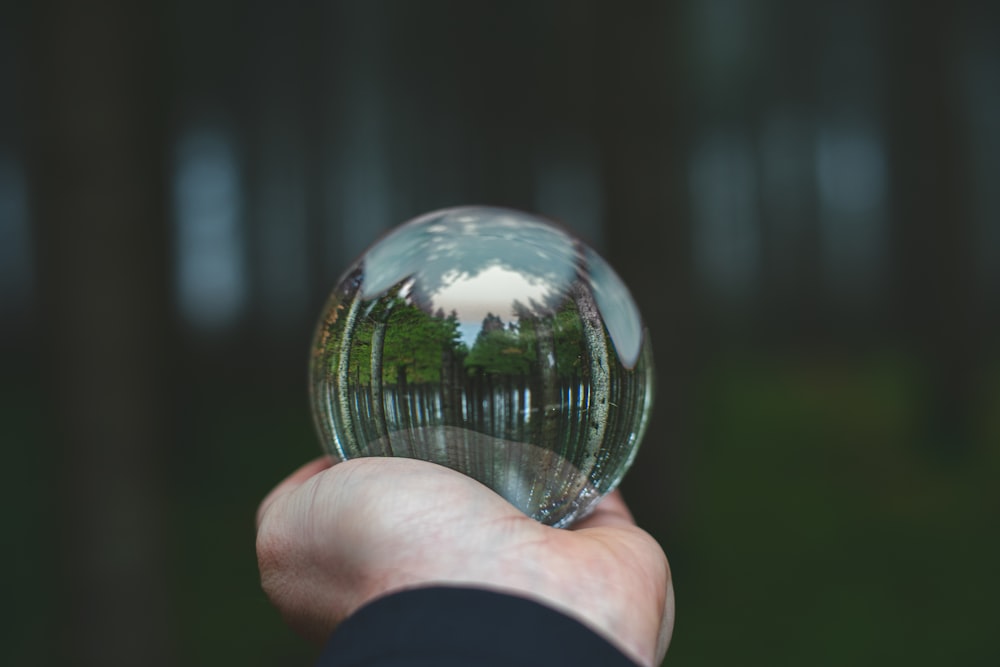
(803, 197)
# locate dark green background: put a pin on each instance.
(822, 464)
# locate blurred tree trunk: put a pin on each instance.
(794, 305)
(934, 283)
(96, 170)
(647, 229)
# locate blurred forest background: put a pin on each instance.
(803, 197)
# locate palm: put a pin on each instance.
(378, 525)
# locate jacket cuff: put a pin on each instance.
(444, 626)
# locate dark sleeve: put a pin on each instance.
(452, 627)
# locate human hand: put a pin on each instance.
(331, 538)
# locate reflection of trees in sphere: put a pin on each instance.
(491, 342)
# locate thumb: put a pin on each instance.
(611, 511)
(292, 482)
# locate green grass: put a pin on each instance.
(819, 533)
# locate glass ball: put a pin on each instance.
(491, 342)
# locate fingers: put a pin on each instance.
(293, 482)
(610, 511)
(667, 625)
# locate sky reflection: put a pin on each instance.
(481, 261)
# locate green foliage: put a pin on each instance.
(414, 342)
(500, 350)
(514, 349)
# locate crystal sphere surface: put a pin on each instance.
(491, 342)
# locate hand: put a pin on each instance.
(332, 538)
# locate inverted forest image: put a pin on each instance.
(395, 375)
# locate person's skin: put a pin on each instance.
(332, 538)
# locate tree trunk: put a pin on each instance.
(546, 398)
(598, 365)
(378, 406)
(96, 157)
(931, 223)
(350, 441)
(643, 129)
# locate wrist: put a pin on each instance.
(603, 594)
